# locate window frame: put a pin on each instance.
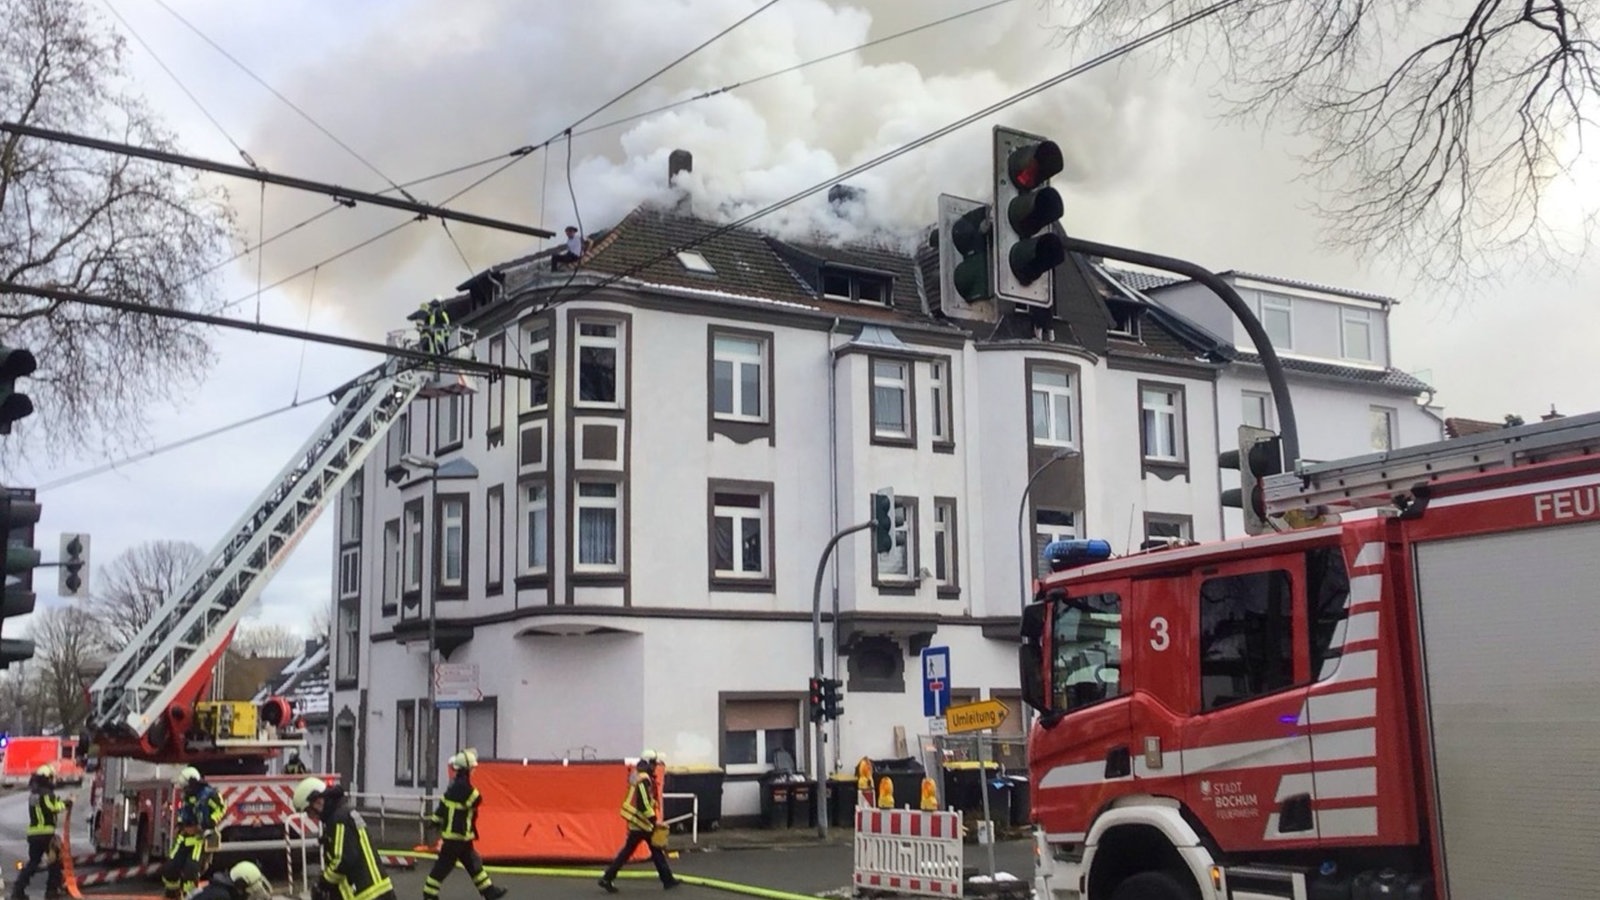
(349, 572)
(733, 579)
(495, 395)
(405, 743)
(736, 389)
(907, 385)
(352, 509)
(948, 533)
(1054, 673)
(1039, 566)
(1177, 411)
(348, 626)
(617, 505)
(761, 766)
(890, 582)
(393, 553)
(535, 338)
(1349, 315)
(1391, 424)
(413, 538)
(445, 587)
(397, 443)
(1277, 304)
(1291, 566)
(525, 567)
(1267, 408)
(1052, 394)
(617, 342)
(1183, 522)
(445, 442)
(494, 544)
(941, 399)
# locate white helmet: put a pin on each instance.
(248, 875)
(466, 759)
(186, 775)
(45, 771)
(306, 791)
(648, 754)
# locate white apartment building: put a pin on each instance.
(627, 551)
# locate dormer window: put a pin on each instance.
(856, 287)
(1124, 321)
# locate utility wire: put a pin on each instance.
(1024, 94)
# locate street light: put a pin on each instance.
(414, 461)
(1024, 544)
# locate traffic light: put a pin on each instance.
(1260, 454)
(74, 566)
(815, 703)
(883, 520)
(831, 707)
(1025, 208)
(965, 240)
(18, 514)
(14, 363)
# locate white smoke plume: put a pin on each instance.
(431, 85)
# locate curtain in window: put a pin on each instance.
(597, 537)
(723, 535)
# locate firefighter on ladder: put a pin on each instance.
(44, 845)
(350, 868)
(457, 819)
(242, 882)
(200, 812)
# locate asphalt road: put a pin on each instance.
(14, 828)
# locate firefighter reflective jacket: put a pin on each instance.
(348, 863)
(457, 813)
(201, 808)
(43, 808)
(639, 807)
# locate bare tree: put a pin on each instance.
(67, 647)
(133, 585)
(91, 221)
(1441, 128)
(322, 624)
(266, 640)
(23, 706)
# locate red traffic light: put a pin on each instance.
(1032, 165)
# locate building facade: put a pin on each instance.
(626, 550)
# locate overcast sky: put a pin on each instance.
(420, 87)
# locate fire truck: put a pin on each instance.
(148, 715)
(1394, 692)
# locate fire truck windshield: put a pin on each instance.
(1085, 651)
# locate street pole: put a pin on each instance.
(983, 788)
(433, 641)
(818, 758)
(1024, 545)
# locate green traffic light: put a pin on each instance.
(882, 523)
(14, 363)
(1033, 257)
(969, 235)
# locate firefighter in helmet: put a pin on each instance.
(242, 882)
(295, 765)
(44, 845)
(457, 820)
(433, 326)
(639, 813)
(350, 868)
(200, 812)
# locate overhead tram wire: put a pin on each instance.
(1012, 100)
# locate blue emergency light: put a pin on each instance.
(1078, 552)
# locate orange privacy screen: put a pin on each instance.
(548, 812)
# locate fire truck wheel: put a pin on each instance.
(1155, 886)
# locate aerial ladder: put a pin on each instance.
(148, 704)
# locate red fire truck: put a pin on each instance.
(1393, 694)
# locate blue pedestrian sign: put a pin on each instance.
(935, 681)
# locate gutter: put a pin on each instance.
(833, 502)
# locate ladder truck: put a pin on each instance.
(1395, 693)
(147, 714)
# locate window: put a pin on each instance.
(1052, 407)
(535, 527)
(1085, 651)
(759, 735)
(1356, 332)
(1246, 637)
(1277, 319)
(899, 561)
(1327, 604)
(944, 543)
(835, 285)
(452, 539)
(599, 363)
(694, 262)
(1257, 409)
(413, 549)
(739, 540)
(872, 290)
(350, 510)
(428, 722)
(494, 503)
(350, 571)
(939, 383)
(1051, 525)
(1382, 428)
(405, 743)
(537, 393)
(349, 640)
(477, 727)
(497, 386)
(449, 422)
(1162, 425)
(391, 566)
(398, 441)
(599, 514)
(1160, 528)
(891, 399)
(737, 387)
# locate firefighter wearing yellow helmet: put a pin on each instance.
(457, 820)
(44, 809)
(200, 812)
(350, 868)
(242, 882)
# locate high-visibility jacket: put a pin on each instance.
(201, 808)
(639, 806)
(457, 812)
(348, 862)
(43, 808)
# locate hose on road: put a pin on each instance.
(735, 887)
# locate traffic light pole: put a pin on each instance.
(818, 759)
(1240, 309)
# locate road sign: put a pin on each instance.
(980, 716)
(935, 681)
(936, 726)
(455, 684)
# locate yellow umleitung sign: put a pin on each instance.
(980, 716)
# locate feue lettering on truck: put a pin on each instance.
(1396, 693)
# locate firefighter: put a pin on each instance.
(295, 766)
(433, 326)
(639, 812)
(242, 882)
(350, 868)
(457, 819)
(200, 812)
(44, 845)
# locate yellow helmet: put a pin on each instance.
(306, 791)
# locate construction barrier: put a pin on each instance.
(909, 851)
(553, 811)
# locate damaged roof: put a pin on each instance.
(303, 682)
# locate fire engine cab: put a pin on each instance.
(1395, 693)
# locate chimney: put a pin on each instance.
(678, 161)
(1552, 414)
(311, 646)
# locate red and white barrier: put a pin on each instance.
(119, 873)
(909, 851)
